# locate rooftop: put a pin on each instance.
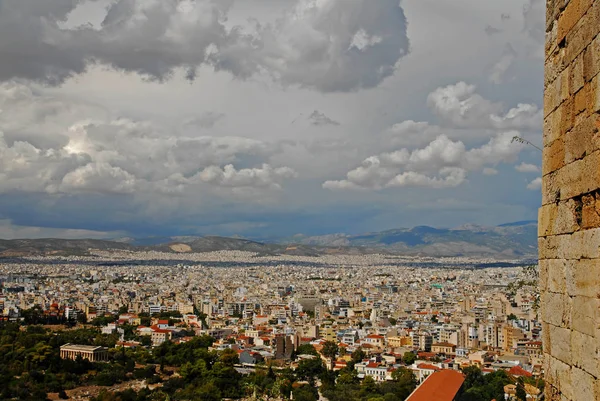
(85, 348)
(440, 386)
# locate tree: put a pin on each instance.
(358, 355)
(146, 341)
(229, 357)
(330, 350)
(405, 382)
(409, 358)
(521, 394)
(305, 393)
(309, 369)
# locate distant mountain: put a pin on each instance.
(507, 240)
(55, 246)
(512, 240)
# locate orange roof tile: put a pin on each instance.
(439, 386)
(519, 371)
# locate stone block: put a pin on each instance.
(582, 34)
(556, 310)
(572, 248)
(590, 214)
(585, 352)
(576, 79)
(560, 338)
(582, 140)
(546, 344)
(574, 179)
(582, 100)
(583, 279)
(552, 13)
(584, 385)
(585, 315)
(551, 187)
(560, 218)
(571, 15)
(557, 275)
(590, 240)
(555, 65)
(546, 217)
(559, 374)
(595, 95)
(556, 92)
(590, 175)
(591, 60)
(551, 247)
(554, 156)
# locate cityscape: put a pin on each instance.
(366, 319)
(300, 200)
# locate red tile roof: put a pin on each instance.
(428, 366)
(439, 386)
(519, 371)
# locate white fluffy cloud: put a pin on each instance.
(535, 185)
(326, 45)
(527, 168)
(442, 163)
(108, 155)
(459, 105)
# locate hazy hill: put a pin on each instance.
(505, 241)
(513, 239)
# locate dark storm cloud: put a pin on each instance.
(328, 45)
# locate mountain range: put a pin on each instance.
(513, 240)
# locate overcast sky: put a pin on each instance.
(267, 117)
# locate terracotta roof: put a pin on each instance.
(439, 386)
(519, 371)
(428, 366)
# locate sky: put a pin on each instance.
(267, 118)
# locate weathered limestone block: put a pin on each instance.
(561, 218)
(585, 352)
(576, 79)
(590, 248)
(582, 34)
(582, 140)
(585, 315)
(558, 374)
(585, 279)
(584, 385)
(560, 338)
(554, 156)
(571, 15)
(556, 310)
(591, 60)
(591, 211)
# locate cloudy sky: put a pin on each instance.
(267, 118)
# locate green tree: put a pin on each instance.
(358, 355)
(330, 350)
(310, 369)
(521, 394)
(229, 357)
(409, 358)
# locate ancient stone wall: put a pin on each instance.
(569, 219)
